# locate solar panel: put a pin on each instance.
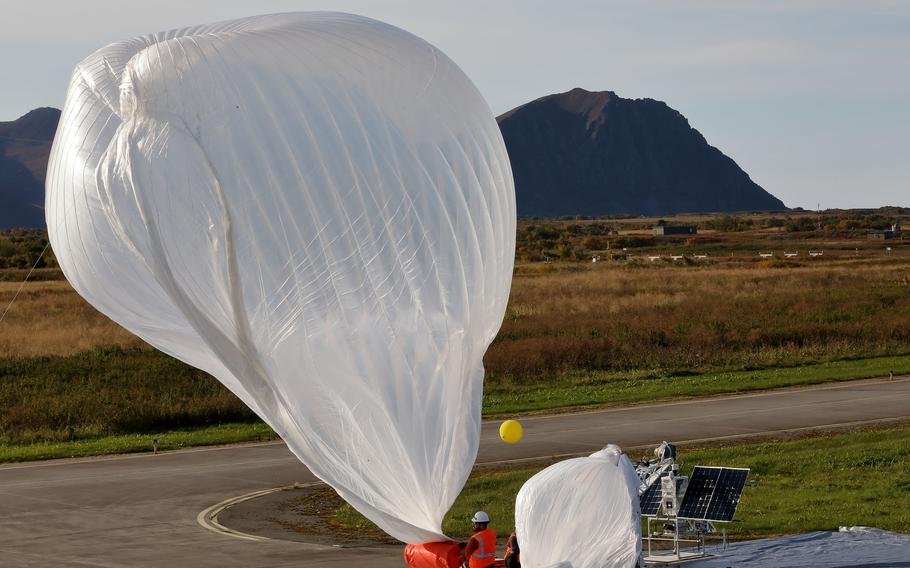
(713, 493)
(649, 501)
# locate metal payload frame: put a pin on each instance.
(687, 508)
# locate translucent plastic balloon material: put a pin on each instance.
(318, 210)
(582, 513)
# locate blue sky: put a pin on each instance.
(811, 97)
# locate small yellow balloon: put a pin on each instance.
(510, 431)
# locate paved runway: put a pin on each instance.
(140, 510)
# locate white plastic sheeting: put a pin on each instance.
(848, 548)
(318, 210)
(582, 513)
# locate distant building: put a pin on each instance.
(665, 230)
(886, 235)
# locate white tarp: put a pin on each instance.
(582, 513)
(318, 210)
(848, 548)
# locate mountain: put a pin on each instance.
(595, 153)
(580, 152)
(25, 145)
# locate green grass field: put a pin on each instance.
(816, 483)
(112, 400)
(108, 392)
(134, 443)
(578, 389)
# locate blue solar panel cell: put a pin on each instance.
(713, 493)
(649, 501)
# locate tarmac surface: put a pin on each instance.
(141, 510)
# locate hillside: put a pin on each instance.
(25, 145)
(595, 153)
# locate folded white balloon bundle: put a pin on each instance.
(581, 513)
(318, 210)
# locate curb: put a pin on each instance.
(208, 518)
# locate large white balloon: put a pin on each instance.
(318, 210)
(581, 513)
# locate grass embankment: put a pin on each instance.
(135, 443)
(110, 400)
(817, 483)
(109, 392)
(580, 389)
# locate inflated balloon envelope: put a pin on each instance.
(318, 210)
(581, 513)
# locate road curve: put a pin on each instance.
(140, 510)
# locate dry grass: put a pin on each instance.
(607, 317)
(49, 318)
(690, 318)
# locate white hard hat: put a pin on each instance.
(480, 517)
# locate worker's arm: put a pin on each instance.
(469, 549)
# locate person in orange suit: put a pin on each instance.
(480, 551)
